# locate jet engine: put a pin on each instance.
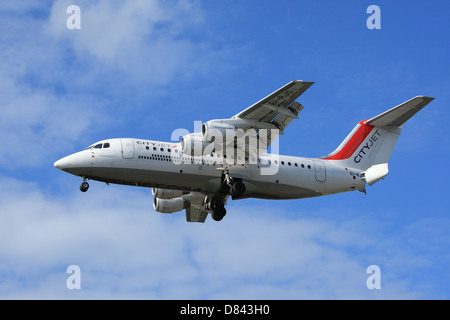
(166, 193)
(169, 205)
(217, 131)
(193, 144)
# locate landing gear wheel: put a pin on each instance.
(84, 186)
(237, 189)
(219, 213)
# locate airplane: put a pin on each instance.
(230, 158)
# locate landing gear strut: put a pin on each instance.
(236, 187)
(84, 186)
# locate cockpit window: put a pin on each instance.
(99, 146)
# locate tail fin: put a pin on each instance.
(369, 146)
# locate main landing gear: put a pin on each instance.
(229, 186)
(219, 211)
(84, 186)
(234, 187)
(216, 205)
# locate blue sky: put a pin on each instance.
(144, 68)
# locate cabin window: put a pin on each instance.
(282, 163)
(289, 164)
(309, 167)
(296, 164)
(154, 148)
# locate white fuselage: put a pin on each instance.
(157, 164)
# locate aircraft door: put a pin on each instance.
(127, 148)
(321, 173)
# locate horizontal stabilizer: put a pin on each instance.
(376, 172)
(398, 115)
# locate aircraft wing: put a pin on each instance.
(264, 120)
(278, 109)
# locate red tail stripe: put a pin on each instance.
(355, 141)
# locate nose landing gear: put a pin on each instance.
(84, 186)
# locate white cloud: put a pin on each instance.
(126, 250)
(143, 39)
(56, 84)
(36, 124)
(20, 6)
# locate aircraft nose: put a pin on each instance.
(62, 163)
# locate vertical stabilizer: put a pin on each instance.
(370, 144)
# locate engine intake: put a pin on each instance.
(169, 205)
(217, 131)
(166, 193)
(193, 144)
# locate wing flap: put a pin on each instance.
(283, 97)
(283, 119)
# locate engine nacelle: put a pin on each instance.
(217, 131)
(193, 144)
(166, 193)
(169, 205)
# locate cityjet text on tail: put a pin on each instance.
(230, 158)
